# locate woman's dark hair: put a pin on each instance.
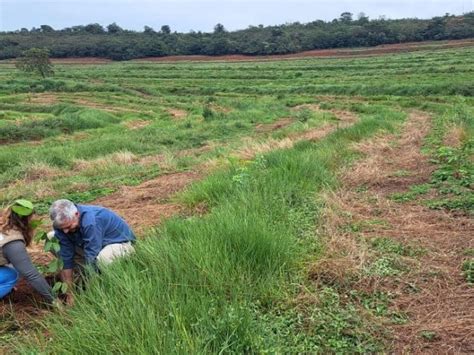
(20, 223)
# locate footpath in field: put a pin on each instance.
(431, 291)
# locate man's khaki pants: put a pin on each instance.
(108, 254)
(113, 251)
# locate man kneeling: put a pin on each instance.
(92, 235)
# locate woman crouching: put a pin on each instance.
(15, 235)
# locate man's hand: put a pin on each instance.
(66, 276)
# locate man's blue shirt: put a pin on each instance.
(98, 227)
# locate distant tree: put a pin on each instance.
(36, 60)
(24, 30)
(345, 17)
(94, 28)
(46, 28)
(148, 29)
(165, 29)
(219, 28)
(114, 28)
(362, 19)
(79, 28)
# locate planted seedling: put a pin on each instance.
(51, 245)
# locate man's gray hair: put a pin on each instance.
(62, 211)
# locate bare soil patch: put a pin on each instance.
(269, 127)
(177, 113)
(149, 203)
(83, 60)
(432, 292)
(366, 51)
(43, 99)
(96, 105)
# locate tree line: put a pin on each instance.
(114, 42)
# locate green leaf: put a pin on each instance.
(52, 268)
(57, 286)
(22, 211)
(48, 245)
(64, 287)
(36, 223)
(56, 247)
(24, 203)
(41, 235)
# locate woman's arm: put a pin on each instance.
(16, 254)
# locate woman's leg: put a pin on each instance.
(8, 279)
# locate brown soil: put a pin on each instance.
(222, 109)
(148, 204)
(379, 50)
(270, 127)
(83, 60)
(432, 292)
(97, 105)
(349, 52)
(177, 113)
(43, 99)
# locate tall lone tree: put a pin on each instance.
(35, 60)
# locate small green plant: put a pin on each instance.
(303, 115)
(388, 245)
(208, 113)
(469, 252)
(384, 266)
(468, 270)
(428, 335)
(413, 193)
(454, 178)
(51, 245)
(242, 176)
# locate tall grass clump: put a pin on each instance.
(221, 283)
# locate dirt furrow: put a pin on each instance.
(432, 292)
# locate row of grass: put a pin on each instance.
(222, 283)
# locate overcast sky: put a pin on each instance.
(202, 15)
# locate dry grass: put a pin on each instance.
(105, 162)
(136, 124)
(42, 99)
(270, 127)
(251, 148)
(177, 114)
(39, 170)
(388, 155)
(431, 290)
(455, 136)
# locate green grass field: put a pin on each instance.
(236, 278)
